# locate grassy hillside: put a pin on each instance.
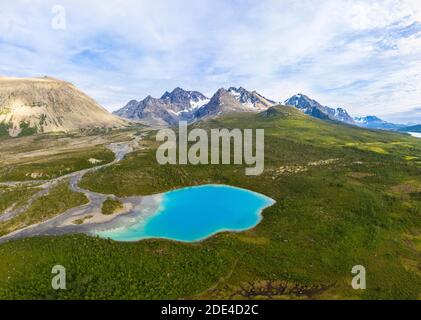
(345, 196)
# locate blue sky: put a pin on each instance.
(361, 55)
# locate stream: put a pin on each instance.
(62, 223)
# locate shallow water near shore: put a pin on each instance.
(194, 214)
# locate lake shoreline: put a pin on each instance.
(134, 227)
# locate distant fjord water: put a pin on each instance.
(196, 213)
(415, 134)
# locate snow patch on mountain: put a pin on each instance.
(315, 109)
(182, 105)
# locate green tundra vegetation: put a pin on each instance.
(4, 131)
(59, 199)
(50, 167)
(16, 196)
(345, 196)
(51, 155)
(111, 206)
(82, 220)
(26, 130)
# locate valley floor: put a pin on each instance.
(64, 223)
(345, 197)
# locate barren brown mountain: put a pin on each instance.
(49, 105)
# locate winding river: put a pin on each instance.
(189, 214)
(63, 223)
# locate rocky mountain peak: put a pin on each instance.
(302, 101)
(315, 109)
(183, 100)
(180, 104)
(149, 99)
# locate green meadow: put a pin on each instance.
(111, 206)
(345, 196)
(55, 166)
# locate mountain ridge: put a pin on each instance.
(190, 106)
(414, 128)
(374, 122)
(47, 104)
(315, 109)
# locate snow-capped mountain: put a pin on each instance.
(151, 110)
(171, 108)
(315, 109)
(253, 100)
(182, 105)
(185, 100)
(233, 100)
(191, 106)
(373, 122)
(342, 115)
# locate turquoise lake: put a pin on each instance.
(196, 213)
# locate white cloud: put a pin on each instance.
(343, 52)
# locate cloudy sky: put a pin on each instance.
(362, 55)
